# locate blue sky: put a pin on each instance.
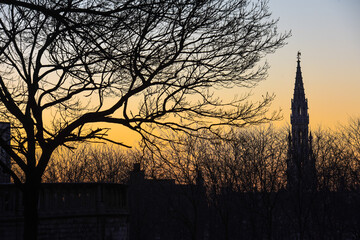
(327, 32)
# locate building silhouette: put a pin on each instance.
(301, 172)
(161, 209)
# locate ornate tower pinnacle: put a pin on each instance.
(299, 105)
(301, 164)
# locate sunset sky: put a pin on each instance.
(327, 32)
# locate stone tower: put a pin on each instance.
(301, 173)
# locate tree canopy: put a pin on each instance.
(143, 64)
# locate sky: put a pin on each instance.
(327, 32)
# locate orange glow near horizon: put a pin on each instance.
(327, 32)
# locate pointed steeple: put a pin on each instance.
(300, 164)
(299, 92)
(299, 106)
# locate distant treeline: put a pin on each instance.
(252, 159)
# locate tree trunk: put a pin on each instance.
(30, 201)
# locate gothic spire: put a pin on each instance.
(301, 164)
(299, 107)
(299, 92)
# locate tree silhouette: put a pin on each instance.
(244, 178)
(68, 64)
(89, 163)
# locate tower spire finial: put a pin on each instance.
(298, 55)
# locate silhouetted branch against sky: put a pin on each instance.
(142, 64)
(65, 65)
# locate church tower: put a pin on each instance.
(301, 173)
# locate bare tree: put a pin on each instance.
(351, 136)
(334, 159)
(68, 64)
(251, 161)
(89, 163)
(179, 161)
(338, 177)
